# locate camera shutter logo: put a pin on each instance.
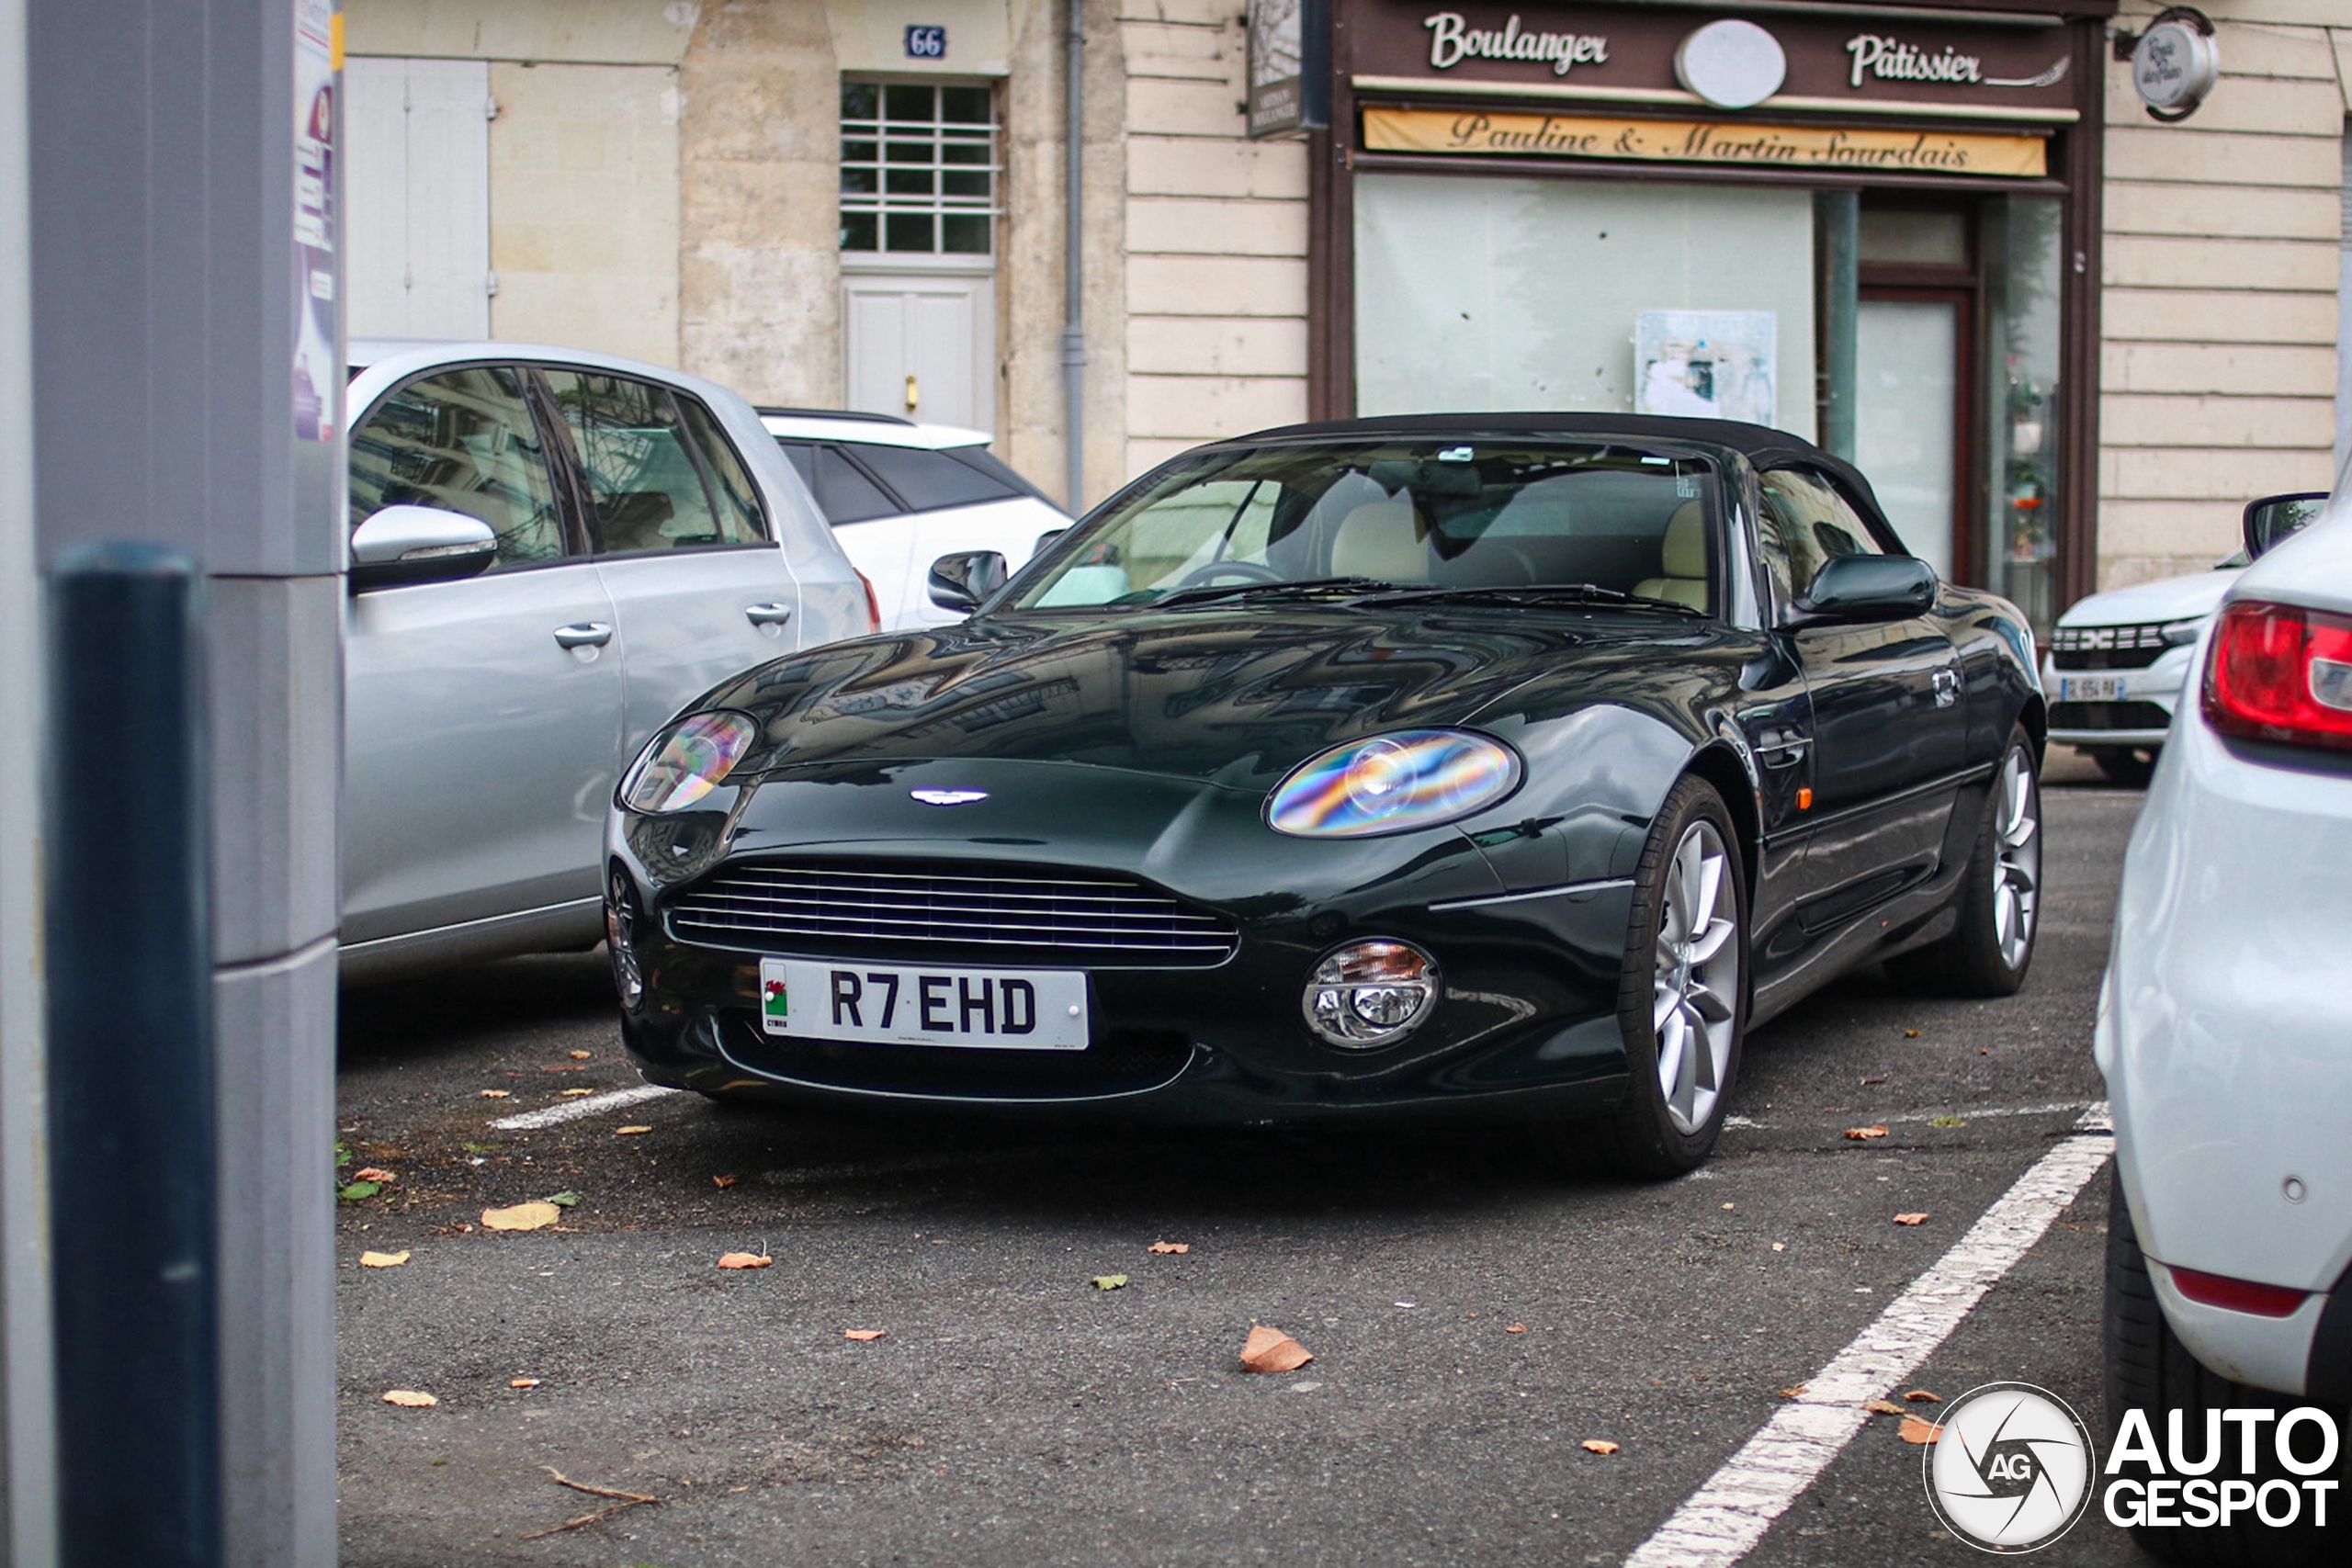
(2012, 1469)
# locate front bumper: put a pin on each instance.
(2140, 716)
(1527, 1024)
(2223, 1028)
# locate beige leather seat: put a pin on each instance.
(1682, 556)
(1381, 540)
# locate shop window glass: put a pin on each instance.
(462, 441)
(918, 169)
(2022, 236)
(1907, 237)
(1477, 293)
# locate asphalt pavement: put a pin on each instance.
(1476, 1318)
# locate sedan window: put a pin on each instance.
(927, 480)
(844, 493)
(462, 441)
(645, 489)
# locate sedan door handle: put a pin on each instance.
(583, 634)
(773, 614)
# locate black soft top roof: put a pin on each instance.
(1763, 446)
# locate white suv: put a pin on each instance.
(2225, 1034)
(900, 495)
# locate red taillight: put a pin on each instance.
(2280, 672)
(872, 604)
(2237, 1295)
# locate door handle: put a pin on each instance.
(772, 614)
(914, 394)
(583, 634)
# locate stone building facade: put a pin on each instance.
(670, 180)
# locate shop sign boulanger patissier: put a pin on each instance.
(1840, 149)
(1905, 63)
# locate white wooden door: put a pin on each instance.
(416, 187)
(921, 346)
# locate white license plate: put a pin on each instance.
(890, 1004)
(2090, 688)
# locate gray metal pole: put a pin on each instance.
(1073, 266)
(183, 266)
(27, 1423)
(1837, 218)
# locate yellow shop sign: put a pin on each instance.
(1489, 131)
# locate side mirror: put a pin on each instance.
(2275, 517)
(1869, 588)
(961, 581)
(400, 545)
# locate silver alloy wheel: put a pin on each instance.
(1695, 995)
(2016, 859)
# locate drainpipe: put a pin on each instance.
(1073, 256)
(1837, 214)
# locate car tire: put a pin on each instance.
(1982, 957)
(2127, 767)
(2150, 1370)
(1681, 995)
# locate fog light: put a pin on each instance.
(1370, 994)
(620, 941)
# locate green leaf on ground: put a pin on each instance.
(1110, 1281)
(358, 1189)
(564, 1200)
(1947, 1120)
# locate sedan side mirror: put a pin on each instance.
(401, 545)
(2275, 517)
(961, 581)
(1869, 588)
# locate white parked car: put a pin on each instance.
(2118, 661)
(551, 552)
(900, 495)
(2225, 1035)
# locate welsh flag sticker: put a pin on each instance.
(774, 1005)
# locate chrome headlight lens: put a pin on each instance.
(687, 760)
(1414, 778)
(2180, 634)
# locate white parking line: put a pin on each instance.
(1963, 1113)
(1722, 1521)
(574, 1110)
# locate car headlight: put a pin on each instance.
(687, 760)
(1371, 994)
(2180, 634)
(1414, 778)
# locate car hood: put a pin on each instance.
(2172, 598)
(1233, 697)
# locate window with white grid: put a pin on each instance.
(918, 169)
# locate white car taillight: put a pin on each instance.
(2281, 672)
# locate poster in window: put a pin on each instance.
(1705, 364)
(318, 379)
(1289, 66)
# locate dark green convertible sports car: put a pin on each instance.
(1514, 764)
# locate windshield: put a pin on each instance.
(1438, 518)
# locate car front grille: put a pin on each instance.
(937, 909)
(2109, 716)
(2107, 647)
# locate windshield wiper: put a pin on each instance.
(1536, 594)
(1304, 588)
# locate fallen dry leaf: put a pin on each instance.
(579, 1055)
(1910, 1034)
(1867, 1082)
(1272, 1350)
(1796, 1392)
(522, 1383)
(1110, 1281)
(1516, 1328)
(1857, 1133)
(1166, 1248)
(1915, 1431)
(1883, 1407)
(630, 1132)
(498, 1094)
(1729, 1206)
(572, 1093)
(409, 1399)
(522, 1217)
(723, 1182)
(745, 1261)
(565, 1068)
(1598, 1445)
(1779, 1247)
(371, 1173)
(861, 1335)
(1910, 1219)
(383, 1259)
(1920, 1395)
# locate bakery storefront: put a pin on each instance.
(1874, 226)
